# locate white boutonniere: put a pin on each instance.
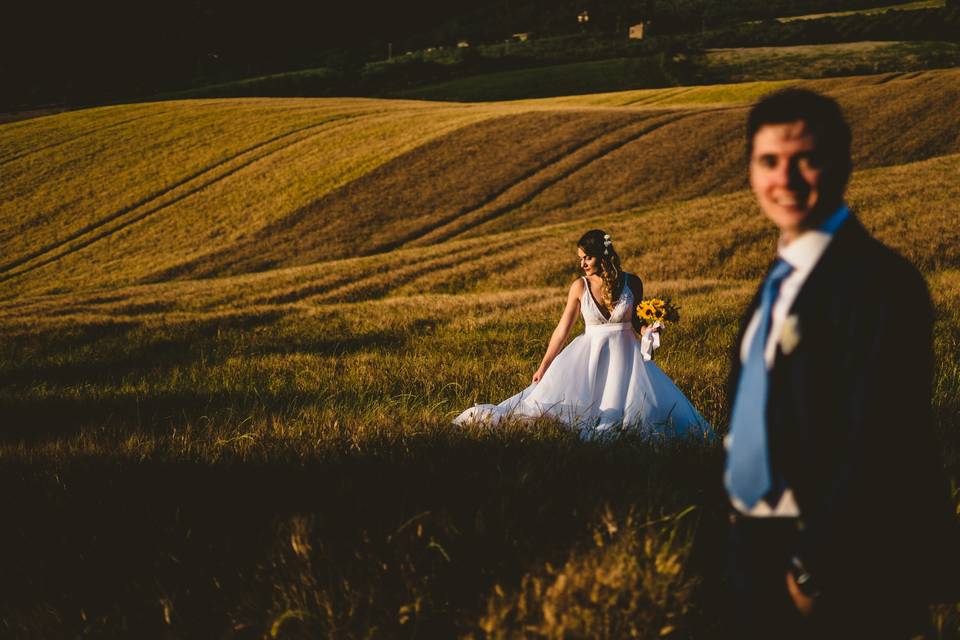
(790, 335)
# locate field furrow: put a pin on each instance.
(156, 201)
(911, 207)
(530, 187)
(48, 145)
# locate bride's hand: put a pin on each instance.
(649, 328)
(538, 375)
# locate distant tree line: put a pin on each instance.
(497, 19)
(100, 50)
(94, 50)
(423, 67)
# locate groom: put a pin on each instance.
(839, 510)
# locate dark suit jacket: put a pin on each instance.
(850, 424)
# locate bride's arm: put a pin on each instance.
(563, 328)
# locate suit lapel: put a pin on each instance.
(820, 280)
(823, 278)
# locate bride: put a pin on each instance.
(600, 382)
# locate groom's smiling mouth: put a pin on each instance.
(789, 201)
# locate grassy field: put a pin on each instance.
(556, 80)
(906, 6)
(234, 333)
(710, 67)
(819, 61)
(619, 73)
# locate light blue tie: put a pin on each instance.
(748, 463)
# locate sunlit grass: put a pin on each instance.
(725, 94)
(321, 433)
(118, 196)
(906, 6)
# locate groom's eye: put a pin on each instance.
(767, 160)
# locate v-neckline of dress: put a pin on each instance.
(606, 318)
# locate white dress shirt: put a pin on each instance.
(802, 253)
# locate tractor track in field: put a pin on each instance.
(95, 231)
(89, 132)
(531, 185)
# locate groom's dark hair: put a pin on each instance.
(821, 114)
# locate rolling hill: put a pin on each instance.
(149, 193)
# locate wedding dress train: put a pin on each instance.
(600, 383)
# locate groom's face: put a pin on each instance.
(795, 185)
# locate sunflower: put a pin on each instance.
(653, 310)
(646, 311)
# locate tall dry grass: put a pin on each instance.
(296, 471)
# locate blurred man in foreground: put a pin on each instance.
(839, 511)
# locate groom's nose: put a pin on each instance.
(787, 174)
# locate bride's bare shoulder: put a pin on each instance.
(576, 288)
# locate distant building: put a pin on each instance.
(522, 37)
(637, 31)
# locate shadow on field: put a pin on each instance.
(407, 535)
(95, 352)
(54, 383)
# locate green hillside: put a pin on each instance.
(907, 6)
(233, 334)
(612, 72)
(702, 67)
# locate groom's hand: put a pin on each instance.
(803, 603)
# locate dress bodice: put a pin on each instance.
(622, 311)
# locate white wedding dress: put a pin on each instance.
(601, 384)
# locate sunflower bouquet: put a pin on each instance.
(657, 310)
(655, 313)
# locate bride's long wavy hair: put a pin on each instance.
(594, 245)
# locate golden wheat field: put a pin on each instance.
(234, 333)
